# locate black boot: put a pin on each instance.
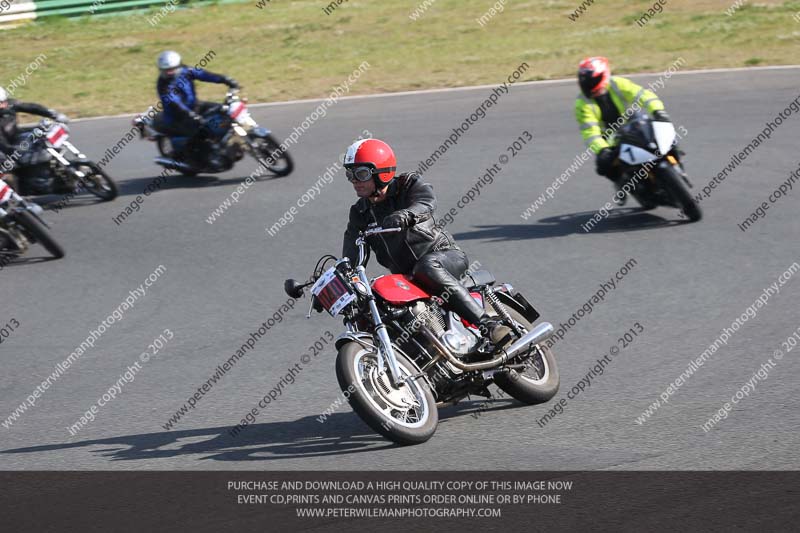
(493, 329)
(495, 334)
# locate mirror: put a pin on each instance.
(292, 288)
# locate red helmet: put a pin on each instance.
(593, 76)
(370, 158)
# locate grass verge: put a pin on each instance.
(294, 49)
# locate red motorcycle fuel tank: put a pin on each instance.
(398, 289)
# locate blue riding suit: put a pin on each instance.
(179, 100)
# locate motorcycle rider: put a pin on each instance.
(604, 100)
(183, 112)
(10, 132)
(422, 250)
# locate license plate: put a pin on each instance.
(331, 292)
(57, 135)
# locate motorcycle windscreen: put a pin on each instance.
(665, 136)
(398, 289)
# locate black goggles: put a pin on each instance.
(364, 173)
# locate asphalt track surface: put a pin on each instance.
(223, 280)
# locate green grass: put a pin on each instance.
(292, 49)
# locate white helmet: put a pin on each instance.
(168, 60)
(3, 95)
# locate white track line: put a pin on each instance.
(474, 88)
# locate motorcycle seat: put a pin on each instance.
(478, 278)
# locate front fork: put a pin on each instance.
(678, 164)
(58, 156)
(385, 350)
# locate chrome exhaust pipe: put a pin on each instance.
(171, 164)
(537, 335)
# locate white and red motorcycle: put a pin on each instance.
(228, 133)
(46, 162)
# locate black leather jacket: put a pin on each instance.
(8, 121)
(399, 252)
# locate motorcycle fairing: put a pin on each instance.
(648, 140)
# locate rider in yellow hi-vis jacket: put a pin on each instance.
(604, 104)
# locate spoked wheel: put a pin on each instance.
(96, 181)
(538, 381)
(406, 414)
(271, 157)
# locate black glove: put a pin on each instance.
(398, 219)
(605, 161)
(661, 115)
(230, 82)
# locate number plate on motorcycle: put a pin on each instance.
(238, 111)
(331, 292)
(5, 192)
(56, 135)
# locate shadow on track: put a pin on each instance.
(26, 260)
(340, 434)
(619, 220)
(49, 201)
(135, 186)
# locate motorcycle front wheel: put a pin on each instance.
(673, 183)
(38, 233)
(96, 181)
(269, 155)
(406, 414)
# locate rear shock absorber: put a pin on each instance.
(501, 310)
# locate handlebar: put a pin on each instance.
(375, 231)
(362, 243)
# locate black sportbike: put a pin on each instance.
(651, 167)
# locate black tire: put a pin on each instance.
(269, 145)
(96, 181)
(673, 183)
(164, 146)
(646, 204)
(539, 382)
(38, 233)
(365, 405)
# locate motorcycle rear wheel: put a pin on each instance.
(38, 233)
(539, 381)
(405, 415)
